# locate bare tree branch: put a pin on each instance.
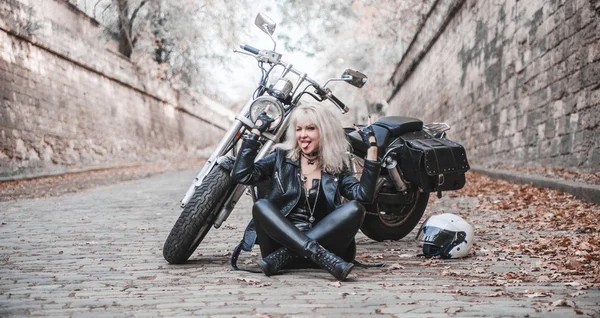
(134, 14)
(94, 11)
(107, 7)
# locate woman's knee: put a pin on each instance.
(262, 207)
(353, 209)
(351, 214)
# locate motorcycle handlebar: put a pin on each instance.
(256, 51)
(323, 92)
(339, 104)
(250, 49)
(326, 93)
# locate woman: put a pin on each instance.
(302, 217)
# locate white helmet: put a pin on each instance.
(446, 235)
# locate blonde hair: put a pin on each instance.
(333, 145)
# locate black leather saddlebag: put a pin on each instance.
(434, 164)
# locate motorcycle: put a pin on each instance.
(416, 159)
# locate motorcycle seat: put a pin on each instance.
(398, 125)
(386, 129)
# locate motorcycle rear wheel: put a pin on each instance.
(197, 217)
(397, 221)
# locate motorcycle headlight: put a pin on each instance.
(275, 110)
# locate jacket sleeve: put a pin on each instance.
(246, 171)
(363, 190)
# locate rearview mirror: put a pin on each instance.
(265, 23)
(354, 78)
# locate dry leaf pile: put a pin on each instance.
(560, 233)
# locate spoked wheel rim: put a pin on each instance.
(397, 218)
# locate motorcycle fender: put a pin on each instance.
(224, 161)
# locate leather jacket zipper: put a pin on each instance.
(279, 181)
(298, 197)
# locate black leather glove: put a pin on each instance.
(263, 122)
(366, 133)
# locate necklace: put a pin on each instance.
(303, 178)
(311, 161)
(311, 219)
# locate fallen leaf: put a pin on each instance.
(409, 303)
(563, 303)
(543, 279)
(536, 295)
(395, 266)
(577, 293)
(454, 310)
(337, 284)
(249, 281)
(585, 246)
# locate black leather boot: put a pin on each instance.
(334, 264)
(281, 230)
(275, 261)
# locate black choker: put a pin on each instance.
(310, 161)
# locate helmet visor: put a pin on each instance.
(434, 235)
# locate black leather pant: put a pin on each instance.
(335, 232)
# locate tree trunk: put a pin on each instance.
(125, 45)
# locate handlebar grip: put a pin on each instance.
(250, 49)
(339, 104)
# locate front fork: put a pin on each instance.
(212, 160)
(232, 199)
(235, 195)
(227, 139)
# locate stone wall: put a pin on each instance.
(518, 81)
(69, 102)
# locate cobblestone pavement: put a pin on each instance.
(98, 253)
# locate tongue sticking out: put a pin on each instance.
(305, 144)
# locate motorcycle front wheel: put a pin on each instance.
(394, 221)
(197, 217)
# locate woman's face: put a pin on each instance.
(307, 136)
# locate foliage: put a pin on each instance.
(172, 40)
(187, 39)
(368, 35)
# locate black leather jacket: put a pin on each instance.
(285, 183)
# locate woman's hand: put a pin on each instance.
(368, 136)
(262, 122)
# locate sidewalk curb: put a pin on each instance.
(584, 191)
